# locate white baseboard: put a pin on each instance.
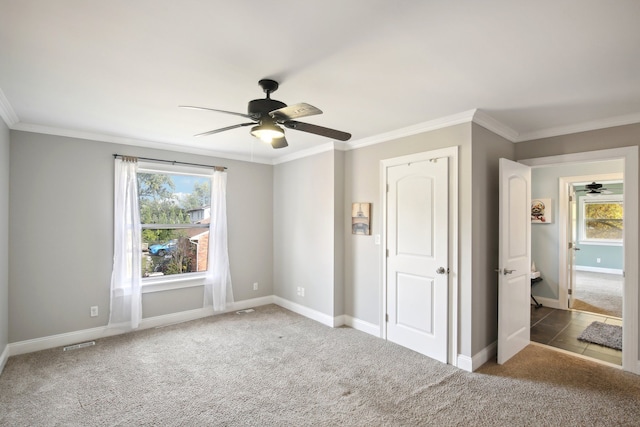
(75, 337)
(615, 271)
(3, 357)
(470, 364)
(306, 311)
(339, 321)
(549, 302)
(465, 363)
(363, 326)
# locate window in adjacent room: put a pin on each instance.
(175, 211)
(602, 219)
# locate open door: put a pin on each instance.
(514, 257)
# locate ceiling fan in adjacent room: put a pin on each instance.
(269, 116)
(594, 189)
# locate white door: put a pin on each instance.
(417, 259)
(572, 239)
(514, 257)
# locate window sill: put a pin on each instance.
(596, 243)
(164, 283)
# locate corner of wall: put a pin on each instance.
(471, 364)
(4, 357)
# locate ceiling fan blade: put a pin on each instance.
(318, 130)
(211, 132)
(295, 111)
(217, 111)
(279, 142)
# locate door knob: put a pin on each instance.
(442, 270)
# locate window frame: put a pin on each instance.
(173, 281)
(602, 198)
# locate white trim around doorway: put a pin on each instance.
(630, 360)
(452, 154)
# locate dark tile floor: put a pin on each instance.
(560, 329)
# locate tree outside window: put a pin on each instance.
(603, 219)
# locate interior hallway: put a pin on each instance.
(561, 328)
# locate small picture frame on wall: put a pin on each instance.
(541, 211)
(361, 218)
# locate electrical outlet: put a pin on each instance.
(301, 292)
(598, 260)
(94, 311)
(255, 286)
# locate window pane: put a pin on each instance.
(175, 216)
(604, 210)
(608, 229)
(172, 199)
(604, 221)
(181, 251)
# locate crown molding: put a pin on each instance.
(6, 111)
(48, 130)
(610, 122)
(486, 121)
(455, 119)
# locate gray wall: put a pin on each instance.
(487, 149)
(363, 256)
(545, 237)
(61, 236)
(4, 236)
(304, 231)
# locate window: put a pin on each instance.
(602, 219)
(175, 211)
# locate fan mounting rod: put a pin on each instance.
(268, 86)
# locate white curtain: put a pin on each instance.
(217, 283)
(126, 299)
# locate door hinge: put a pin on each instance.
(387, 188)
(387, 253)
(386, 317)
(570, 245)
(570, 291)
(571, 198)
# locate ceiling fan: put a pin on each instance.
(269, 115)
(594, 189)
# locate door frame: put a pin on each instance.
(563, 227)
(452, 327)
(630, 360)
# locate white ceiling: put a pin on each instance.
(117, 70)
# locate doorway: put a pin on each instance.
(591, 232)
(557, 299)
(591, 238)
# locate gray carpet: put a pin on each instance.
(275, 368)
(598, 293)
(603, 334)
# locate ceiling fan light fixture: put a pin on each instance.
(267, 132)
